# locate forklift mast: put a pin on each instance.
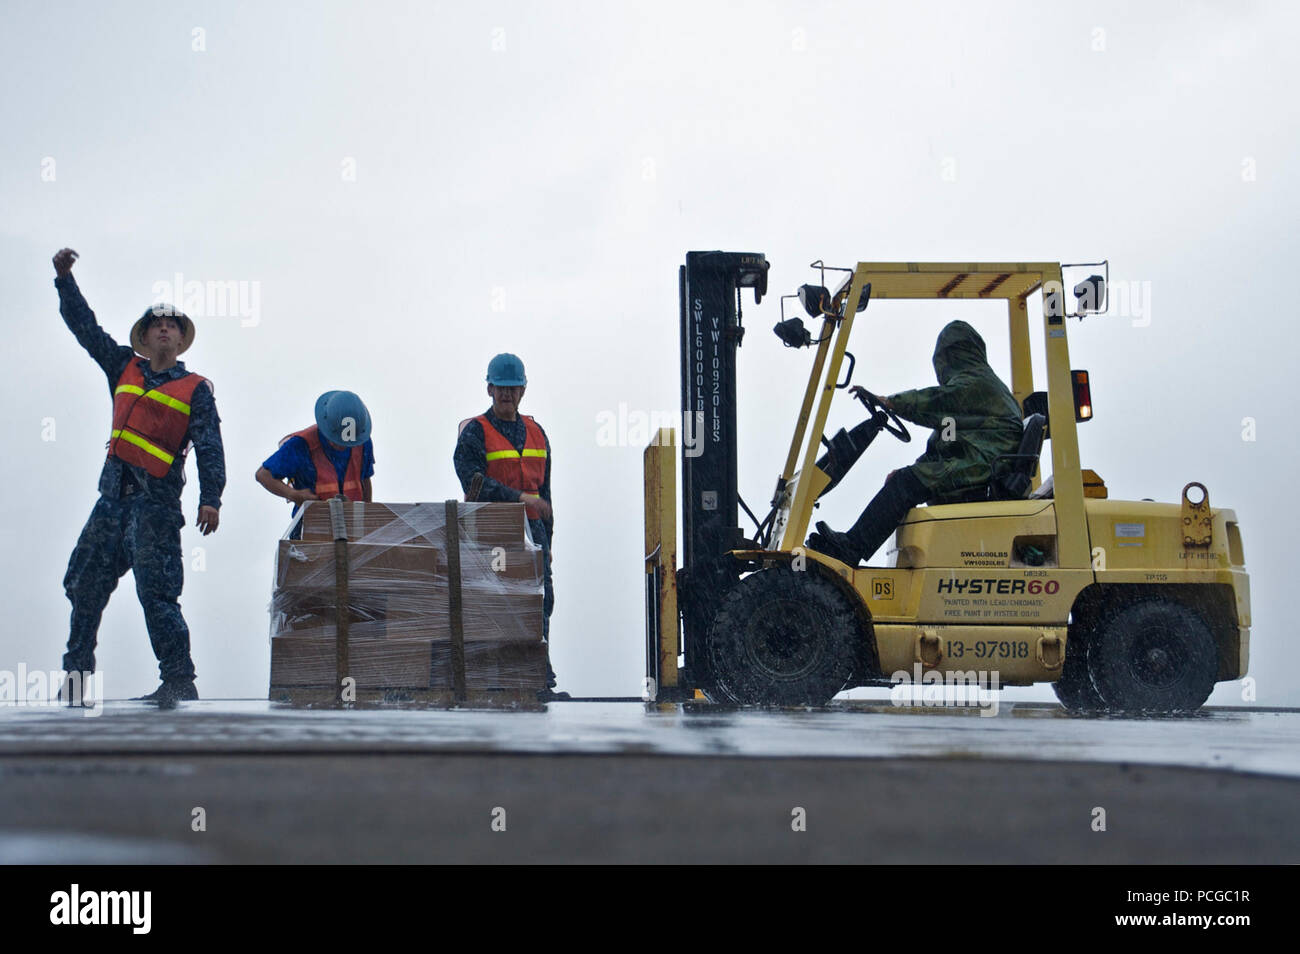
(710, 286)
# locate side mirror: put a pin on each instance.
(864, 298)
(842, 293)
(1091, 293)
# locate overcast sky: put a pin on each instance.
(403, 190)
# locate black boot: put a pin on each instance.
(170, 693)
(549, 694)
(72, 692)
(833, 544)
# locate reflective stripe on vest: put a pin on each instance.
(144, 445)
(512, 453)
(150, 426)
(524, 470)
(327, 478)
(155, 395)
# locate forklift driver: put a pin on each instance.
(975, 419)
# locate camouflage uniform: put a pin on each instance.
(986, 419)
(136, 523)
(471, 458)
(975, 418)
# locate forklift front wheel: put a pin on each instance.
(782, 637)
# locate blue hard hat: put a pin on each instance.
(506, 371)
(338, 412)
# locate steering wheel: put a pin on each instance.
(890, 421)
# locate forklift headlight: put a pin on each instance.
(792, 333)
(815, 299)
(753, 274)
(1091, 293)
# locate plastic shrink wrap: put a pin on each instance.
(400, 599)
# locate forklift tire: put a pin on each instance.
(782, 637)
(1153, 655)
(1075, 689)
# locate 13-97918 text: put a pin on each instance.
(989, 649)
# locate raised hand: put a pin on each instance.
(63, 260)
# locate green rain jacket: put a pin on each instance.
(984, 418)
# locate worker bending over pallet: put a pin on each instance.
(333, 456)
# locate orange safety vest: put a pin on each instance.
(327, 478)
(149, 427)
(523, 470)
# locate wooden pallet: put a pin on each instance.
(317, 697)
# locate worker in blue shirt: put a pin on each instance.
(333, 456)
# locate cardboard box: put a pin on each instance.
(501, 593)
(499, 618)
(492, 665)
(420, 524)
(398, 607)
(304, 563)
(407, 663)
(374, 663)
(501, 569)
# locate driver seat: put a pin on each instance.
(1013, 474)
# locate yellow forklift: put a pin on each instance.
(1121, 605)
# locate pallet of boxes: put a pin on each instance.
(439, 603)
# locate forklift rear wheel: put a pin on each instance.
(1075, 689)
(782, 637)
(1153, 656)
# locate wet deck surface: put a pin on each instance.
(623, 782)
(1243, 740)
